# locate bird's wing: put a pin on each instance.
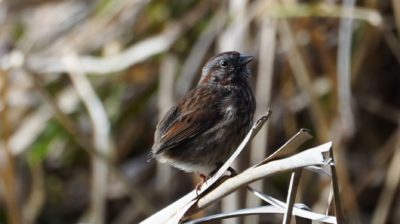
(180, 126)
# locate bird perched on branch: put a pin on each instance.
(206, 125)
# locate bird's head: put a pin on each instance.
(226, 68)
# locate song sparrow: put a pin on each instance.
(209, 122)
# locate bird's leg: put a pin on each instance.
(202, 181)
(203, 177)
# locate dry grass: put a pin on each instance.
(83, 84)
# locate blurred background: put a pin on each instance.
(84, 82)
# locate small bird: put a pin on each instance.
(205, 126)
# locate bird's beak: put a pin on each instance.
(244, 59)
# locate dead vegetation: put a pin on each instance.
(83, 83)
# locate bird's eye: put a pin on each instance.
(223, 63)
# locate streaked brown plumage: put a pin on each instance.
(205, 126)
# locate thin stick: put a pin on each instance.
(101, 137)
(335, 181)
(7, 159)
(388, 193)
(289, 147)
(303, 78)
(165, 101)
(293, 186)
(344, 69)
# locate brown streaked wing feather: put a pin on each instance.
(167, 120)
(187, 127)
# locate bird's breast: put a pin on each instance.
(230, 112)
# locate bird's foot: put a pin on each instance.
(203, 178)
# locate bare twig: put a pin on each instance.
(294, 183)
(396, 9)
(31, 127)
(298, 209)
(306, 158)
(336, 193)
(35, 202)
(132, 55)
(289, 147)
(95, 65)
(393, 43)
(165, 101)
(324, 9)
(303, 79)
(111, 19)
(65, 102)
(344, 69)
(392, 182)
(101, 137)
(7, 164)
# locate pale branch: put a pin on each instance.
(306, 158)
